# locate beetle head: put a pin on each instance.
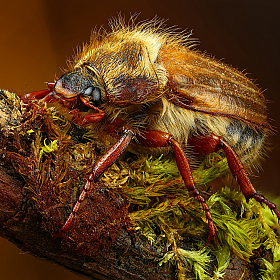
(84, 83)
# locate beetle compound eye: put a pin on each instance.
(88, 91)
(92, 94)
(96, 95)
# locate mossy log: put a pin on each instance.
(136, 222)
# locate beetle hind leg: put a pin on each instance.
(210, 143)
(242, 178)
(262, 200)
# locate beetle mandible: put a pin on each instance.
(145, 84)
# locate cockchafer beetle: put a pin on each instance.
(145, 84)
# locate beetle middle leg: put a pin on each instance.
(155, 139)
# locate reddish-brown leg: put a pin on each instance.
(42, 94)
(243, 180)
(162, 139)
(210, 143)
(78, 118)
(98, 169)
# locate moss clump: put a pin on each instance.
(165, 213)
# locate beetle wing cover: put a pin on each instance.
(201, 83)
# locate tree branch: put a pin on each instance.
(122, 230)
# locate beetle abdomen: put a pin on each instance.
(246, 139)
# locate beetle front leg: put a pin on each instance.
(46, 94)
(98, 169)
(150, 138)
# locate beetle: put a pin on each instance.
(145, 85)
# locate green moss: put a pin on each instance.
(165, 212)
(272, 271)
(189, 260)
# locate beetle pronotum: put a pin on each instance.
(145, 84)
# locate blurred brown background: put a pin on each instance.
(36, 37)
